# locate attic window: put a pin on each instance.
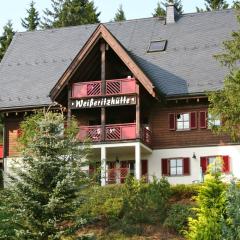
(157, 46)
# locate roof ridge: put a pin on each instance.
(119, 22)
(208, 12)
(57, 29)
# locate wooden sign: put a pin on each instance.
(103, 102)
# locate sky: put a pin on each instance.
(16, 9)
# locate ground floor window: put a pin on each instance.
(207, 160)
(175, 167)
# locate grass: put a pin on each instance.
(152, 232)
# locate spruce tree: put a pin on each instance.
(45, 189)
(177, 3)
(159, 11)
(225, 103)
(31, 22)
(212, 5)
(6, 38)
(120, 15)
(51, 17)
(70, 13)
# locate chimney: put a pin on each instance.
(171, 13)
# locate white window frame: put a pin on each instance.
(184, 118)
(177, 165)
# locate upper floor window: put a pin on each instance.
(183, 121)
(213, 121)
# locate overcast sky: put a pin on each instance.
(16, 9)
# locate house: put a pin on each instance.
(137, 88)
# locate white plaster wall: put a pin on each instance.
(154, 161)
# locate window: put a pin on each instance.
(176, 167)
(157, 46)
(213, 121)
(205, 161)
(183, 121)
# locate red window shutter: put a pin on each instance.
(165, 167)
(203, 119)
(204, 164)
(226, 164)
(19, 133)
(172, 121)
(186, 166)
(193, 120)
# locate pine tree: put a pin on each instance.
(46, 189)
(120, 15)
(31, 22)
(212, 5)
(225, 103)
(70, 13)
(6, 38)
(159, 11)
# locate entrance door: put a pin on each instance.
(145, 169)
(111, 176)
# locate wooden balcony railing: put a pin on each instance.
(113, 87)
(113, 132)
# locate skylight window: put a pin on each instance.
(157, 46)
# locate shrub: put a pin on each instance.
(182, 191)
(102, 202)
(135, 201)
(143, 203)
(158, 194)
(177, 217)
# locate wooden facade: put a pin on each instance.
(155, 118)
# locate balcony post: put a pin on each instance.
(69, 112)
(103, 166)
(103, 88)
(137, 113)
(138, 161)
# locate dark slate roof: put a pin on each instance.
(36, 60)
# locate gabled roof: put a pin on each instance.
(102, 32)
(35, 61)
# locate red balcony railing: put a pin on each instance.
(113, 132)
(117, 175)
(113, 87)
(1, 151)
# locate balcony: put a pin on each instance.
(114, 132)
(1, 151)
(113, 87)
